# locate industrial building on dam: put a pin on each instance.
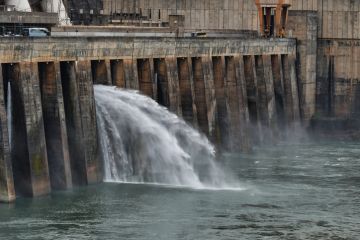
(243, 72)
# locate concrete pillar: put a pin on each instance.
(279, 89)
(73, 122)
(88, 121)
(7, 190)
(253, 99)
(146, 83)
(161, 80)
(210, 98)
(305, 28)
(55, 125)
(29, 155)
(244, 139)
(117, 73)
(269, 94)
(81, 122)
(131, 74)
(187, 93)
(101, 72)
(200, 95)
(294, 88)
(290, 89)
(174, 88)
(222, 120)
(237, 104)
(261, 89)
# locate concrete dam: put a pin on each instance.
(53, 107)
(249, 82)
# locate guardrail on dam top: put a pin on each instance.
(236, 91)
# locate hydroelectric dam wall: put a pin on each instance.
(236, 91)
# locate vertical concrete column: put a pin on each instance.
(161, 80)
(73, 123)
(101, 72)
(270, 93)
(278, 89)
(145, 76)
(187, 93)
(174, 87)
(233, 103)
(117, 73)
(88, 121)
(222, 120)
(30, 163)
(200, 95)
(210, 98)
(294, 88)
(305, 28)
(131, 74)
(262, 92)
(7, 190)
(244, 139)
(55, 125)
(252, 98)
(290, 89)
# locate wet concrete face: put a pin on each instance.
(55, 125)
(252, 98)
(222, 118)
(29, 155)
(7, 190)
(118, 73)
(186, 90)
(146, 84)
(101, 72)
(88, 121)
(162, 83)
(200, 98)
(73, 122)
(278, 88)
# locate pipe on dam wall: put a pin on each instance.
(236, 100)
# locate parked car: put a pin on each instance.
(36, 32)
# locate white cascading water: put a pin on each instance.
(9, 115)
(142, 142)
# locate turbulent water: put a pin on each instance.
(142, 142)
(306, 191)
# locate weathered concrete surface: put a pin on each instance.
(117, 73)
(101, 71)
(338, 79)
(72, 49)
(88, 121)
(29, 155)
(304, 25)
(222, 118)
(55, 125)
(7, 190)
(81, 122)
(244, 138)
(279, 94)
(291, 106)
(253, 101)
(187, 93)
(173, 85)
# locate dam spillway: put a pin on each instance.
(218, 85)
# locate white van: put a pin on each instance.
(36, 32)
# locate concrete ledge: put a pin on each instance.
(70, 49)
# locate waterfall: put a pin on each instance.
(142, 142)
(9, 113)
